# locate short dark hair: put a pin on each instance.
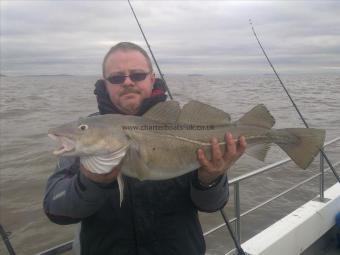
(127, 46)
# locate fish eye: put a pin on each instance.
(83, 127)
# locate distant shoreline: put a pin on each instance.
(194, 74)
(48, 75)
(37, 75)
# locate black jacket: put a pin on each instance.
(156, 217)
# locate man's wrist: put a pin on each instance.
(209, 184)
(206, 179)
(205, 185)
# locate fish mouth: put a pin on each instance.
(66, 144)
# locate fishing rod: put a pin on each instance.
(4, 236)
(239, 249)
(237, 245)
(291, 99)
(153, 57)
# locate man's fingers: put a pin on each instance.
(230, 147)
(204, 162)
(241, 146)
(219, 162)
(216, 154)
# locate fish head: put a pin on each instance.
(89, 137)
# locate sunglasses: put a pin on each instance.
(119, 79)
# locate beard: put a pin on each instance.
(130, 104)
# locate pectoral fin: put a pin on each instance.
(133, 165)
(120, 188)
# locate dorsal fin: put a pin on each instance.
(164, 112)
(258, 116)
(196, 112)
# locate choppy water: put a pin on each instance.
(31, 105)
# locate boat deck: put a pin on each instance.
(326, 245)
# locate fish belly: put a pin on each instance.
(166, 157)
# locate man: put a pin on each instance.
(156, 217)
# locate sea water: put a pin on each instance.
(30, 105)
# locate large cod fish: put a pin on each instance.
(162, 143)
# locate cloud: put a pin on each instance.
(207, 36)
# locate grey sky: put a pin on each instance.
(49, 37)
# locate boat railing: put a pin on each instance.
(59, 249)
(237, 181)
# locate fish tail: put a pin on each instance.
(301, 144)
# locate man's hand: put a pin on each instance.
(219, 164)
(101, 178)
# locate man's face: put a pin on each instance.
(128, 96)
